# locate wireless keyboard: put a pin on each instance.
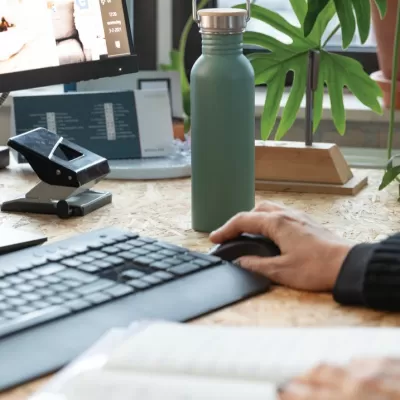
(57, 299)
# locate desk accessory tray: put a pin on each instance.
(67, 173)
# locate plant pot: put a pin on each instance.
(384, 32)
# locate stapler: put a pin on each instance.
(67, 173)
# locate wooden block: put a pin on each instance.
(295, 162)
(350, 188)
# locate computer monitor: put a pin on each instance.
(50, 42)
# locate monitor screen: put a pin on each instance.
(42, 36)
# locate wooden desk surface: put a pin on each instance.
(162, 209)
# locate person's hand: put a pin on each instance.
(360, 380)
(311, 256)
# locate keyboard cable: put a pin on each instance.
(3, 98)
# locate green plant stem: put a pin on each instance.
(331, 35)
(395, 67)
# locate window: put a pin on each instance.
(284, 8)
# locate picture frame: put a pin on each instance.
(157, 83)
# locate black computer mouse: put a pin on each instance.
(246, 245)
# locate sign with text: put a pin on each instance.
(115, 125)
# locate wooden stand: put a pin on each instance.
(296, 167)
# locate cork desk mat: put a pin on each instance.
(161, 209)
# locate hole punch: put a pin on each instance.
(67, 172)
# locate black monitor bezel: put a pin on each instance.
(72, 73)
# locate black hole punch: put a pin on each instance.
(67, 172)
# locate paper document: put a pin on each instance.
(189, 362)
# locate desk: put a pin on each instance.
(162, 209)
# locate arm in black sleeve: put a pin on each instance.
(370, 276)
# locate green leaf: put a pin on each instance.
(315, 8)
(322, 22)
(299, 67)
(272, 103)
(390, 175)
(265, 41)
(382, 7)
(276, 21)
(300, 9)
(347, 21)
(345, 10)
(362, 9)
(339, 71)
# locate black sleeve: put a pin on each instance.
(370, 276)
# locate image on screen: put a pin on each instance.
(42, 33)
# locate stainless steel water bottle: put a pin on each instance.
(223, 120)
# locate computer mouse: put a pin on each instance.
(246, 245)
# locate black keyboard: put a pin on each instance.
(57, 299)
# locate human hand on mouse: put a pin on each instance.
(371, 379)
(311, 256)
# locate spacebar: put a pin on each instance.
(32, 319)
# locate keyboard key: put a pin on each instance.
(202, 263)
(14, 280)
(35, 318)
(98, 255)
(45, 292)
(72, 284)
(10, 269)
(131, 274)
(152, 247)
(81, 249)
(119, 290)
(10, 315)
(77, 276)
(88, 268)
(114, 260)
(28, 275)
(102, 264)
(84, 258)
(144, 260)
(160, 265)
(147, 240)
(111, 250)
(71, 262)
(165, 276)
(95, 246)
(97, 286)
(4, 284)
(5, 306)
(39, 261)
(52, 279)
(168, 253)
(16, 301)
(59, 287)
(152, 279)
(156, 256)
(24, 266)
(25, 309)
(127, 255)
(173, 261)
(185, 257)
(69, 295)
(124, 246)
(56, 300)
(184, 269)
(55, 257)
(31, 296)
(136, 283)
(97, 298)
(38, 283)
(77, 305)
(10, 292)
(48, 269)
(207, 257)
(135, 243)
(140, 251)
(108, 241)
(40, 304)
(172, 247)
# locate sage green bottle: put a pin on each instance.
(222, 121)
